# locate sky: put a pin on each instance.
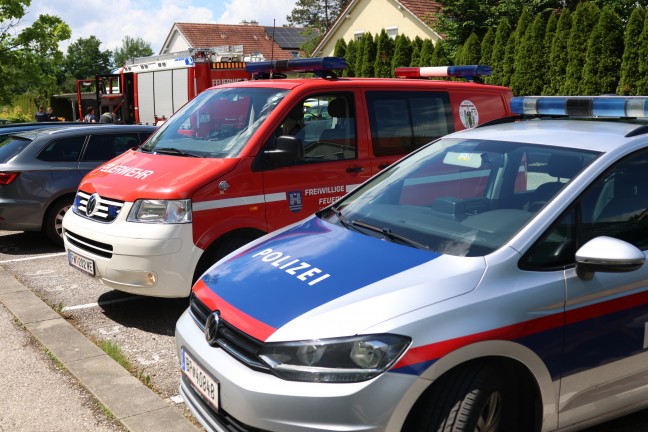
(111, 20)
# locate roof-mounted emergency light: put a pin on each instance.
(581, 106)
(321, 66)
(469, 72)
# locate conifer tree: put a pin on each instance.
(340, 48)
(583, 21)
(471, 50)
(384, 55)
(402, 52)
(440, 56)
(528, 77)
(507, 62)
(427, 50)
(416, 56)
(499, 49)
(459, 55)
(604, 50)
(360, 47)
(350, 57)
(558, 57)
(630, 62)
(368, 55)
(418, 42)
(487, 47)
(642, 84)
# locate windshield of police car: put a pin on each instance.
(217, 123)
(460, 197)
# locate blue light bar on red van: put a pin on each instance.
(297, 65)
(467, 72)
(581, 106)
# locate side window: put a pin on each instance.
(105, 147)
(63, 150)
(325, 125)
(616, 205)
(404, 121)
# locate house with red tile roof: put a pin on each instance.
(409, 17)
(268, 42)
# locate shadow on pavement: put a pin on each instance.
(26, 243)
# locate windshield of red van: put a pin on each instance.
(217, 123)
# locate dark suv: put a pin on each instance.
(40, 171)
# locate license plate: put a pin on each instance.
(206, 386)
(84, 264)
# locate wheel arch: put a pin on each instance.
(529, 371)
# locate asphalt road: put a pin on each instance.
(143, 328)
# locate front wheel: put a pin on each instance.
(53, 222)
(476, 398)
(213, 254)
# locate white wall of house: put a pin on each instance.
(372, 16)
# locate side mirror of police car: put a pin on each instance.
(607, 254)
(287, 149)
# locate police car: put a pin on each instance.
(246, 158)
(492, 280)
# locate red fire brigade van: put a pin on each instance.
(246, 158)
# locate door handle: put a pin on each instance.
(356, 169)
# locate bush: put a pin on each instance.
(15, 115)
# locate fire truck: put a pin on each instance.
(148, 90)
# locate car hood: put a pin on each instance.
(135, 174)
(316, 280)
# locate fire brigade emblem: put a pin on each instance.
(295, 201)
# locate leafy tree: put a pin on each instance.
(558, 57)
(368, 55)
(427, 51)
(583, 21)
(350, 56)
(33, 48)
(630, 61)
(487, 47)
(603, 59)
(502, 35)
(623, 8)
(85, 59)
(131, 48)
(312, 38)
(384, 54)
(318, 14)
(402, 52)
(528, 78)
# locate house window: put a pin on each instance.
(392, 32)
(357, 35)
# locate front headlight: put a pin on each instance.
(352, 359)
(161, 211)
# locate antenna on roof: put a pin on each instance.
(274, 21)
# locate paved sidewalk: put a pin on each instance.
(137, 407)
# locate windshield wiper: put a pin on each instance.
(174, 151)
(343, 220)
(389, 234)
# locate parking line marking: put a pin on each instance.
(34, 257)
(91, 305)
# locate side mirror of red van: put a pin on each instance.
(287, 149)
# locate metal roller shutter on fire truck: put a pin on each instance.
(161, 93)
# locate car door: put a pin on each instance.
(61, 156)
(332, 163)
(605, 360)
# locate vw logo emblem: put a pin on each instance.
(211, 327)
(92, 204)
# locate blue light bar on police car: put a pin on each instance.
(469, 71)
(581, 106)
(297, 65)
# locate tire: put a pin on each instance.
(53, 222)
(476, 398)
(212, 255)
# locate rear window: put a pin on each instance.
(11, 146)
